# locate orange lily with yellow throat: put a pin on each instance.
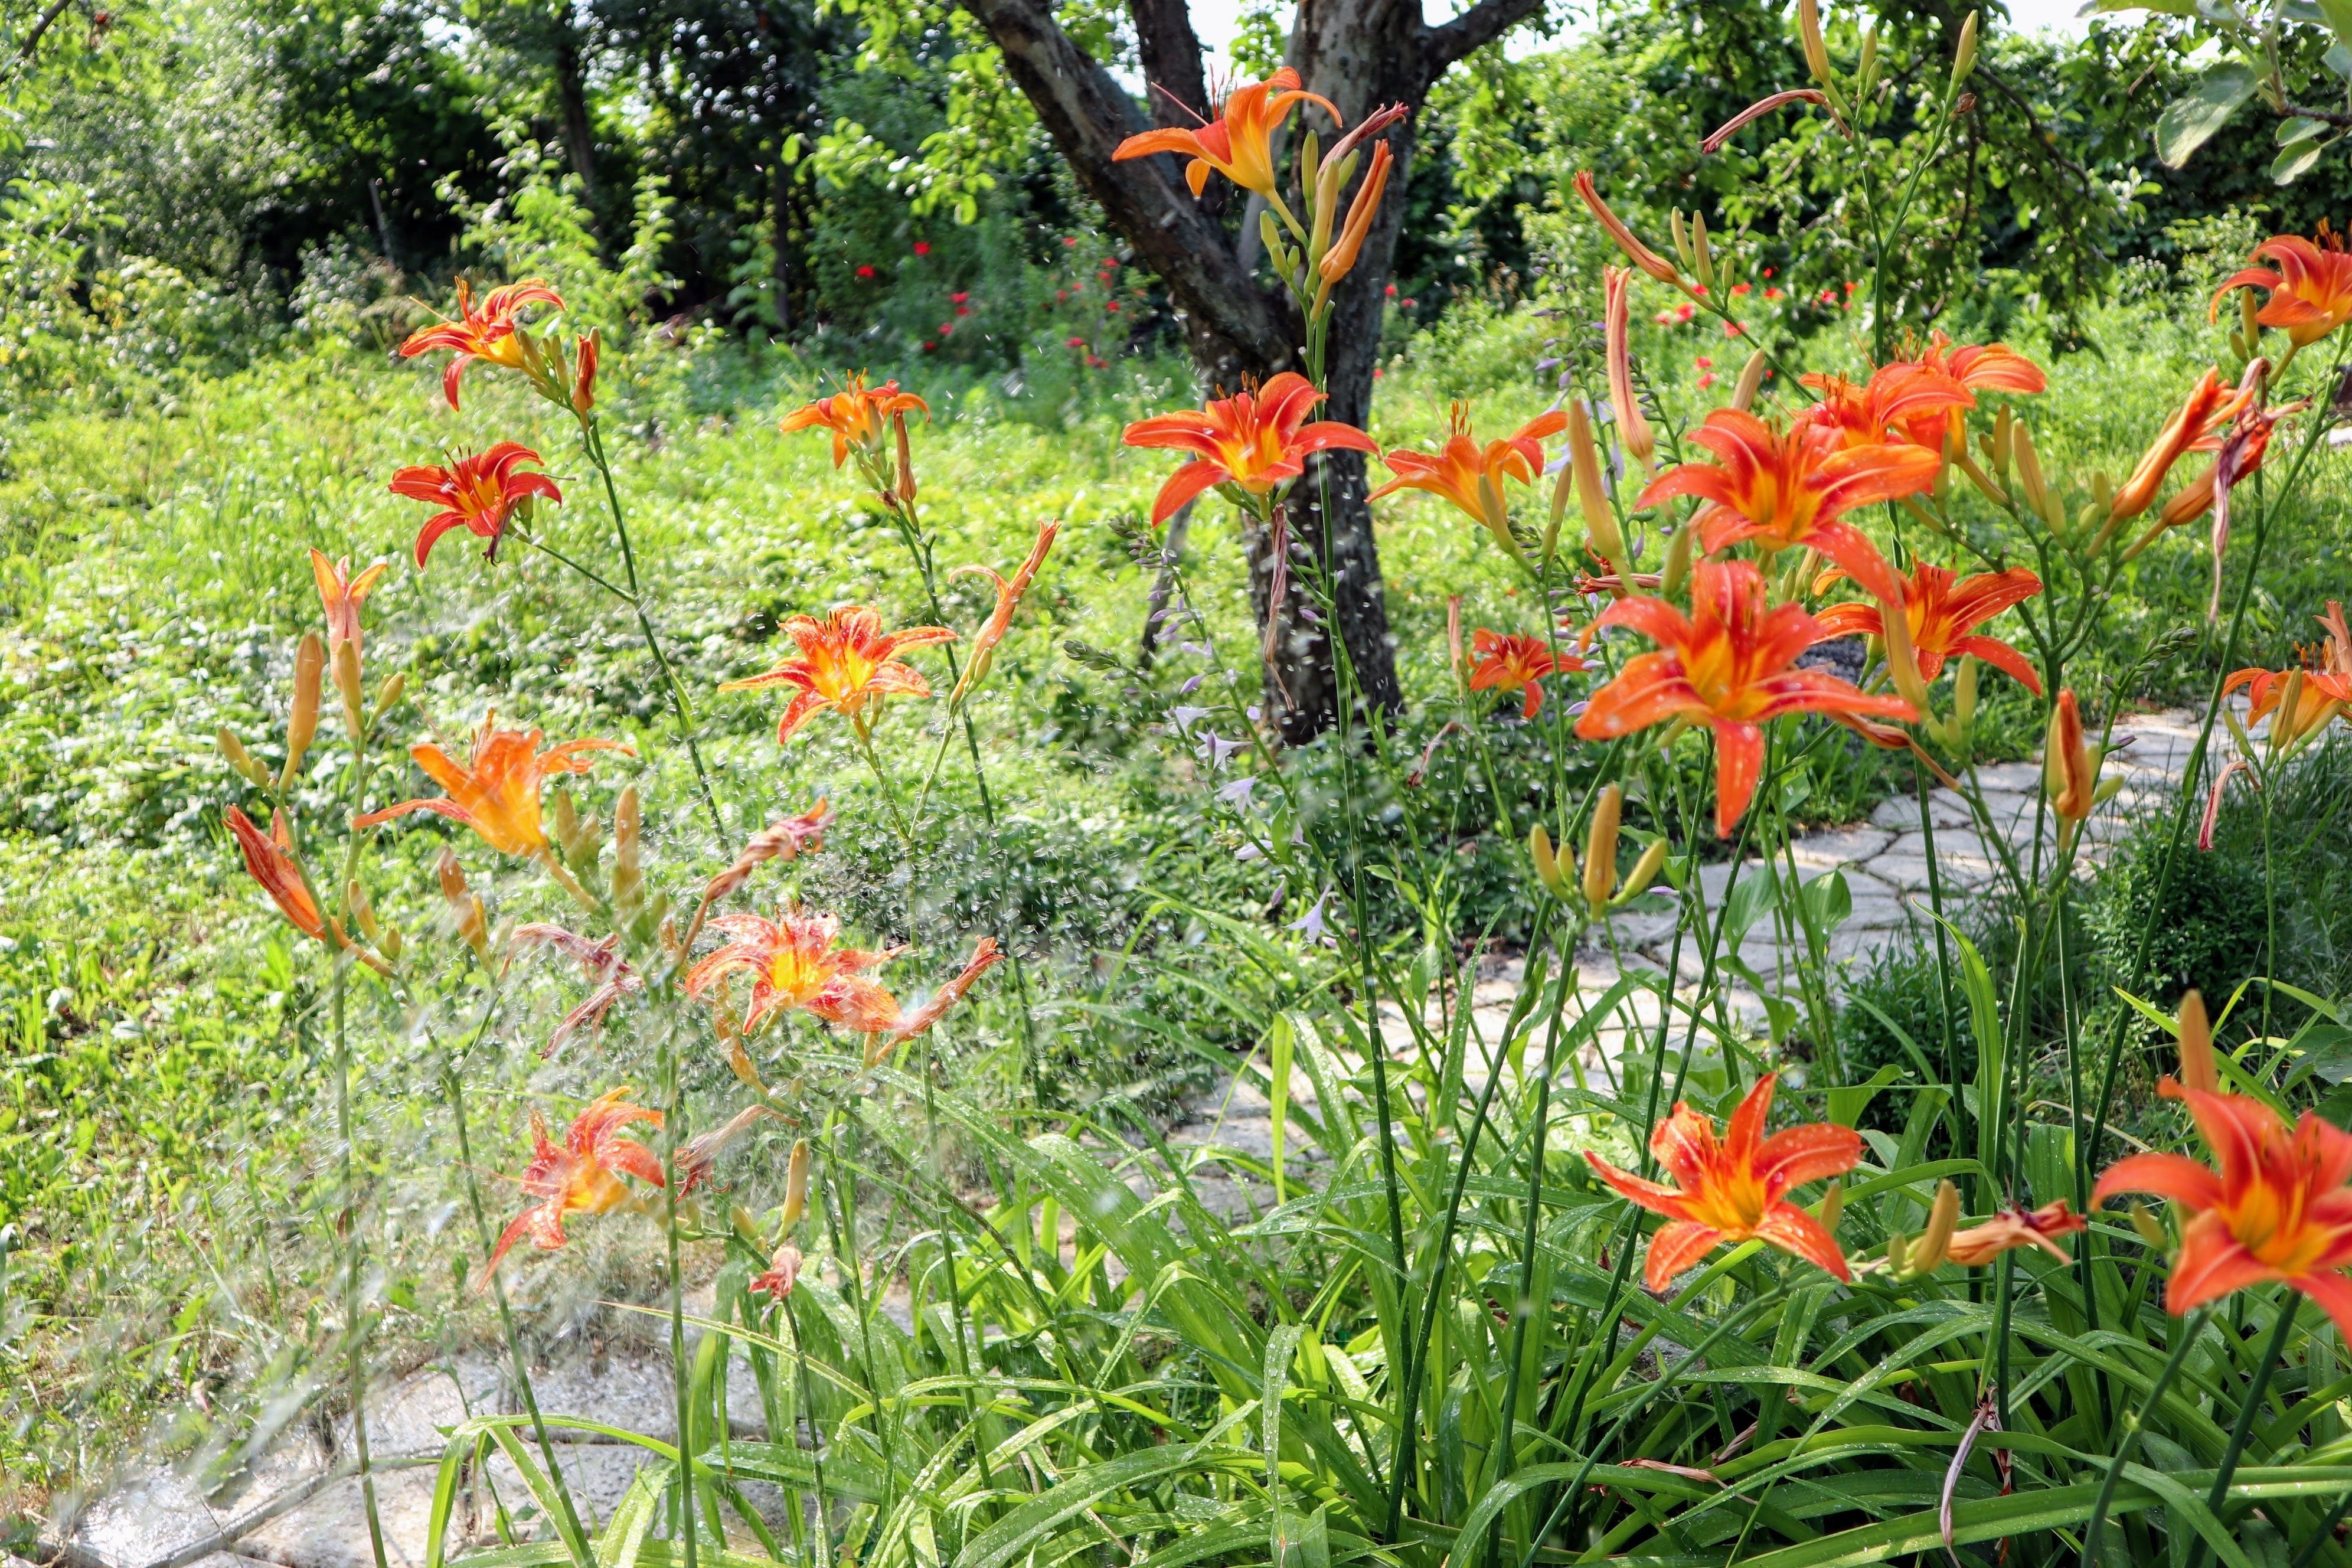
(846, 663)
(1256, 441)
(1470, 475)
(1239, 143)
(581, 1175)
(857, 416)
(487, 333)
(495, 791)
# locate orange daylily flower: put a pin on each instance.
(1730, 665)
(581, 1175)
(1973, 368)
(1736, 1188)
(1518, 662)
(477, 493)
(487, 333)
(795, 965)
(1632, 428)
(985, 956)
(1943, 616)
(2310, 289)
(270, 860)
(2299, 703)
(2015, 1227)
(1238, 143)
(784, 1271)
(495, 791)
(855, 414)
(1000, 620)
(1788, 489)
(846, 663)
(2070, 767)
(2276, 1208)
(342, 595)
(1255, 439)
(2195, 428)
(1902, 402)
(1469, 475)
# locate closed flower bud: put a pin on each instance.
(1751, 382)
(1866, 75)
(584, 386)
(746, 1228)
(796, 1173)
(1832, 1207)
(1943, 1218)
(347, 686)
(242, 761)
(1703, 260)
(1599, 517)
(1681, 237)
(2200, 1068)
(2029, 477)
(1964, 57)
(906, 459)
(1816, 47)
(738, 1061)
(1601, 848)
(390, 942)
(1679, 560)
(1644, 872)
(302, 724)
(388, 695)
(567, 820)
(628, 872)
(363, 914)
(1898, 1254)
(1547, 863)
(2150, 1228)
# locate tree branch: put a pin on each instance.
(33, 39)
(1473, 30)
(1168, 47)
(1089, 114)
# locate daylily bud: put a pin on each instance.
(1964, 57)
(1943, 1218)
(1548, 871)
(2004, 432)
(2070, 770)
(2198, 1069)
(1817, 49)
(347, 686)
(567, 820)
(389, 943)
(1679, 560)
(1599, 517)
(796, 1172)
(2249, 324)
(628, 874)
(1341, 257)
(1644, 872)
(746, 1228)
(1703, 260)
(2150, 1228)
(465, 908)
(1601, 848)
(905, 460)
(1902, 662)
(1897, 1254)
(1272, 236)
(1866, 75)
(1832, 1207)
(1964, 702)
(310, 661)
(738, 1061)
(2030, 478)
(584, 386)
(1681, 237)
(1751, 382)
(242, 761)
(388, 695)
(1641, 255)
(355, 899)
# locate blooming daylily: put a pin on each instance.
(487, 333)
(2299, 703)
(2015, 1228)
(1000, 620)
(1730, 665)
(1973, 368)
(2070, 766)
(1943, 617)
(1736, 1188)
(341, 595)
(855, 414)
(2310, 288)
(1518, 662)
(1255, 439)
(846, 663)
(2195, 428)
(270, 860)
(2276, 1208)
(1238, 143)
(495, 791)
(581, 1175)
(476, 493)
(795, 965)
(1471, 476)
(1900, 402)
(1788, 489)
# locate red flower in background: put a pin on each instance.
(866, 271)
(922, 248)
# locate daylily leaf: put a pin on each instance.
(2190, 121)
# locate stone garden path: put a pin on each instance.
(297, 1507)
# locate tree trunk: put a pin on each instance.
(1361, 54)
(780, 176)
(571, 96)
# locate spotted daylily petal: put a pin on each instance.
(581, 1175)
(846, 662)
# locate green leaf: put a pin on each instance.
(2338, 13)
(1848, 1101)
(1750, 898)
(2293, 132)
(2298, 160)
(2190, 121)
(1278, 1049)
(1828, 901)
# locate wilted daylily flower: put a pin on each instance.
(1632, 428)
(1640, 255)
(487, 333)
(2310, 291)
(1471, 476)
(782, 1272)
(1254, 440)
(846, 663)
(1787, 489)
(855, 414)
(795, 965)
(2069, 768)
(985, 956)
(1736, 1188)
(270, 860)
(1238, 143)
(1729, 664)
(341, 595)
(2015, 1227)
(1000, 620)
(611, 972)
(2211, 404)
(495, 791)
(1943, 617)
(785, 839)
(1518, 662)
(476, 493)
(582, 1176)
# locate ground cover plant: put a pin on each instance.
(560, 890)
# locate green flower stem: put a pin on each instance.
(2133, 1420)
(2272, 1348)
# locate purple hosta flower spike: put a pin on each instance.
(1247, 853)
(1235, 792)
(1184, 718)
(1192, 685)
(1216, 751)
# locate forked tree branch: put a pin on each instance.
(1473, 30)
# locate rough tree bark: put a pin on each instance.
(1361, 54)
(571, 97)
